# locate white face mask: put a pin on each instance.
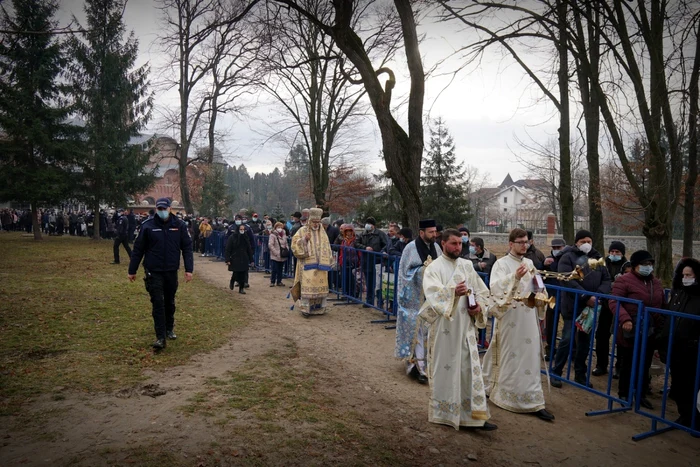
(556, 253)
(279, 231)
(688, 281)
(586, 247)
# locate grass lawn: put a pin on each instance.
(70, 320)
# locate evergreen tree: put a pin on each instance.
(113, 98)
(442, 193)
(37, 144)
(217, 201)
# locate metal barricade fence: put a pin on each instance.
(682, 365)
(571, 336)
(368, 278)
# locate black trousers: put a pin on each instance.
(624, 356)
(684, 359)
(602, 337)
(121, 241)
(162, 286)
(240, 277)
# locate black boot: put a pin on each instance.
(230, 284)
(241, 290)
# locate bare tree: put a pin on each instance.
(314, 90)
(403, 150)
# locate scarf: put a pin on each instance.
(424, 250)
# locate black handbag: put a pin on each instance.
(284, 251)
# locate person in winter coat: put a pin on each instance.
(638, 284)
(685, 298)
(613, 262)
(277, 242)
(551, 263)
(595, 280)
(239, 254)
(348, 258)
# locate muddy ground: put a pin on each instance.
(357, 370)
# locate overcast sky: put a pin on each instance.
(485, 108)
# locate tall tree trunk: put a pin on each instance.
(591, 112)
(36, 223)
(692, 175)
(566, 198)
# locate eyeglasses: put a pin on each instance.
(525, 242)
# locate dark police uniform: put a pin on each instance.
(121, 237)
(161, 243)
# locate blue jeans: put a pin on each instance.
(276, 277)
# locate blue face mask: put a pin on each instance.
(472, 250)
(465, 239)
(368, 227)
(615, 258)
(402, 240)
(238, 222)
(645, 270)
(163, 214)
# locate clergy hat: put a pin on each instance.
(426, 224)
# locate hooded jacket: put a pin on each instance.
(686, 331)
(595, 280)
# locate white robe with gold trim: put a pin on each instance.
(454, 371)
(513, 361)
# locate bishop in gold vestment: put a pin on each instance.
(312, 250)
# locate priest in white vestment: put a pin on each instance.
(513, 361)
(455, 306)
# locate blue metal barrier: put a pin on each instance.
(586, 385)
(662, 416)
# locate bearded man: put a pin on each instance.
(455, 306)
(314, 259)
(410, 335)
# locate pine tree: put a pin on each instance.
(442, 193)
(113, 98)
(37, 144)
(216, 199)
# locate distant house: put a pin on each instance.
(511, 204)
(166, 153)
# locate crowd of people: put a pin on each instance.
(440, 298)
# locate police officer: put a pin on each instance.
(161, 239)
(121, 235)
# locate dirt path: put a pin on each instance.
(362, 374)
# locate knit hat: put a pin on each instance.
(406, 232)
(582, 234)
(464, 229)
(639, 257)
(326, 221)
(616, 245)
(370, 220)
(297, 214)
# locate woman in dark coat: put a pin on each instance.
(638, 284)
(685, 298)
(239, 255)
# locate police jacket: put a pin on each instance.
(161, 242)
(122, 226)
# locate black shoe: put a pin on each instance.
(555, 383)
(599, 371)
(159, 344)
(485, 427)
(272, 285)
(582, 382)
(644, 402)
(115, 262)
(366, 306)
(230, 285)
(171, 335)
(247, 286)
(241, 291)
(616, 374)
(547, 357)
(422, 379)
(542, 414)
(280, 284)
